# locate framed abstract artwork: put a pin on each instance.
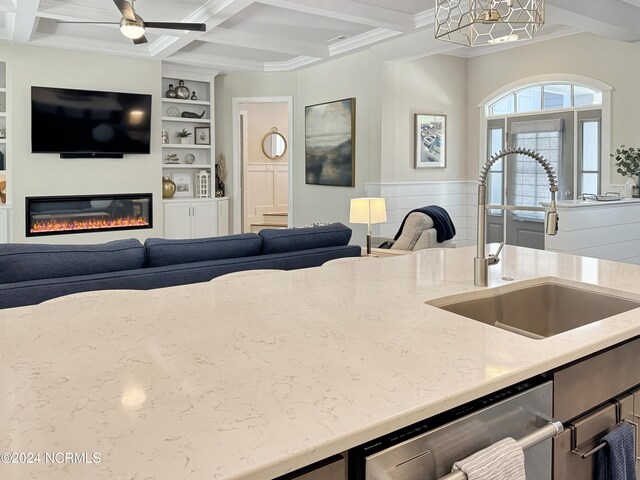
(329, 149)
(430, 140)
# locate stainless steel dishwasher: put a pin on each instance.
(427, 450)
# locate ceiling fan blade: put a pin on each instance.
(94, 23)
(138, 41)
(196, 27)
(125, 9)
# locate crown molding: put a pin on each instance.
(288, 65)
(425, 19)
(362, 40)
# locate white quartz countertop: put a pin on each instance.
(251, 377)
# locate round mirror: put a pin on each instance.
(274, 145)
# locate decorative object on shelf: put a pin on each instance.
(627, 161)
(168, 187)
(182, 91)
(165, 136)
(189, 158)
(184, 135)
(330, 160)
(173, 111)
(221, 166)
(3, 191)
(430, 140)
(203, 181)
(2, 165)
(3, 133)
(635, 191)
(482, 22)
(221, 174)
(192, 114)
(171, 93)
(172, 158)
(274, 145)
(203, 135)
(184, 184)
(194, 97)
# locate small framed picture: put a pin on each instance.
(202, 135)
(184, 184)
(430, 139)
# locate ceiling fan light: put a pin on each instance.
(131, 29)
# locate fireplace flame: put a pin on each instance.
(87, 224)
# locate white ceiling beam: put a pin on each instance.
(350, 11)
(25, 20)
(90, 45)
(608, 19)
(213, 13)
(72, 11)
(225, 36)
(220, 62)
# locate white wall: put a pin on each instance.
(48, 174)
(610, 61)
(435, 84)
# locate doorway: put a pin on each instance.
(262, 163)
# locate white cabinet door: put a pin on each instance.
(223, 217)
(177, 220)
(203, 220)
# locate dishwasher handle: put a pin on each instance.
(550, 430)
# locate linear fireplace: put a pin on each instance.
(88, 213)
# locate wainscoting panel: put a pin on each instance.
(459, 198)
(265, 191)
(608, 231)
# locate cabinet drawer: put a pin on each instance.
(580, 387)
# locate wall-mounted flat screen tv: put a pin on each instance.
(86, 123)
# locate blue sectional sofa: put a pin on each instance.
(33, 273)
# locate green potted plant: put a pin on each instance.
(183, 135)
(627, 161)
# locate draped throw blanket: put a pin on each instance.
(445, 229)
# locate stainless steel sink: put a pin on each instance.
(540, 310)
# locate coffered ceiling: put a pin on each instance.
(279, 35)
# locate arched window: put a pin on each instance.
(543, 97)
(566, 119)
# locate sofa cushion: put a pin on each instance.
(162, 252)
(293, 239)
(22, 262)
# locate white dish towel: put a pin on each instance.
(504, 460)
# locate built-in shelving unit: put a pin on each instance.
(186, 215)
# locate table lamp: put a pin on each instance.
(368, 211)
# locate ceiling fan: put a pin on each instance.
(133, 26)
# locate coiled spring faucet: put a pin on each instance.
(482, 261)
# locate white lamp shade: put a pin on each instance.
(367, 210)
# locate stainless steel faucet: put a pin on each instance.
(482, 261)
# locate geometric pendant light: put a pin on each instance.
(482, 22)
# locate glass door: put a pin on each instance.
(526, 181)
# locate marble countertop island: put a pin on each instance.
(251, 377)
